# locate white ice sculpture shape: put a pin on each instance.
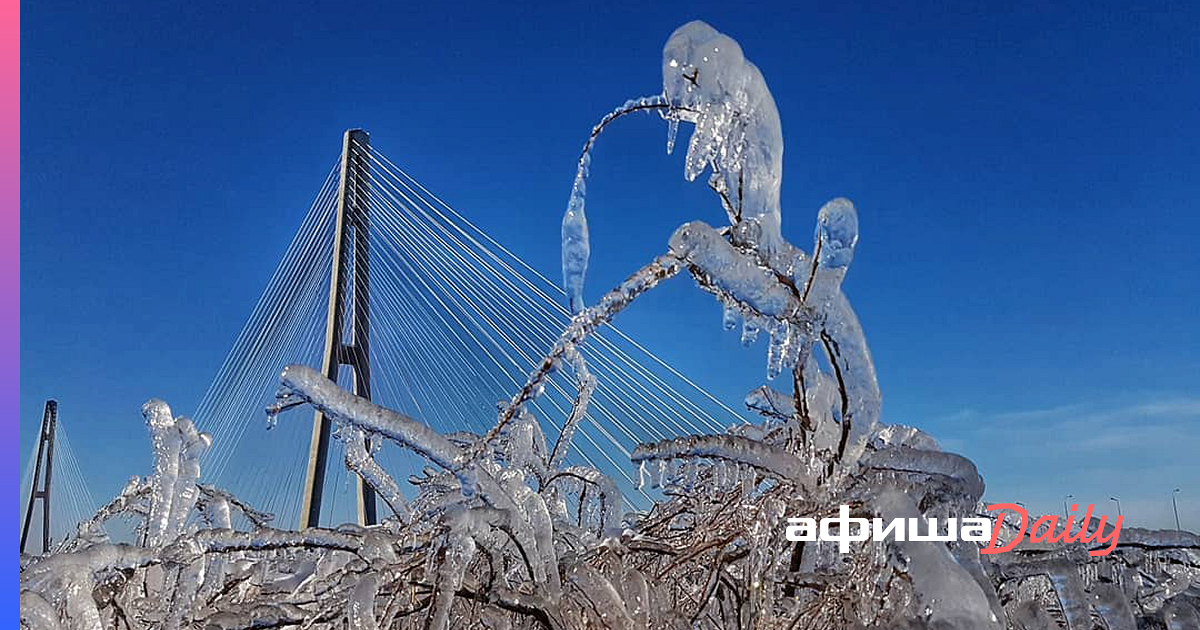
(177, 450)
(708, 82)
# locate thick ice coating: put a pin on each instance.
(708, 82)
(711, 84)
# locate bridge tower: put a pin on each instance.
(45, 455)
(349, 300)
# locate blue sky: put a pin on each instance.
(1027, 181)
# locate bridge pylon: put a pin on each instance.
(45, 463)
(349, 300)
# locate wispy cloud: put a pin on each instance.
(1171, 423)
(1136, 450)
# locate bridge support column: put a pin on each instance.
(45, 454)
(349, 286)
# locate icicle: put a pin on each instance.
(167, 447)
(750, 328)
(193, 444)
(780, 338)
(672, 131)
(459, 549)
(748, 477)
(359, 460)
(576, 247)
(637, 598)
(689, 475)
(537, 515)
(703, 146)
(730, 316)
(799, 346)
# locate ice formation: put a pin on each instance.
(501, 532)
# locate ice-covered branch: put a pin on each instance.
(211, 494)
(583, 325)
(763, 456)
(609, 497)
(359, 460)
(734, 273)
(586, 384)
(303, 382)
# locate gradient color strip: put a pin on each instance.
(10, 270)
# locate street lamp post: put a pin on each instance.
(1118, 505)
(1175, 506)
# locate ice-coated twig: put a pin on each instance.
(585, 384)
(190, 548)
(256, 517)
(576, 247)
(259, 615)
(610, 497)
(733, 272)
(846, 348)
(925, 463)
(130, 500)
(359, 460)
(346, 408)
(303, 382)
(772, 404)
(727, 447)
(581, 326)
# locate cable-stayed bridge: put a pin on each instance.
(401, 298)
(54, 487)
